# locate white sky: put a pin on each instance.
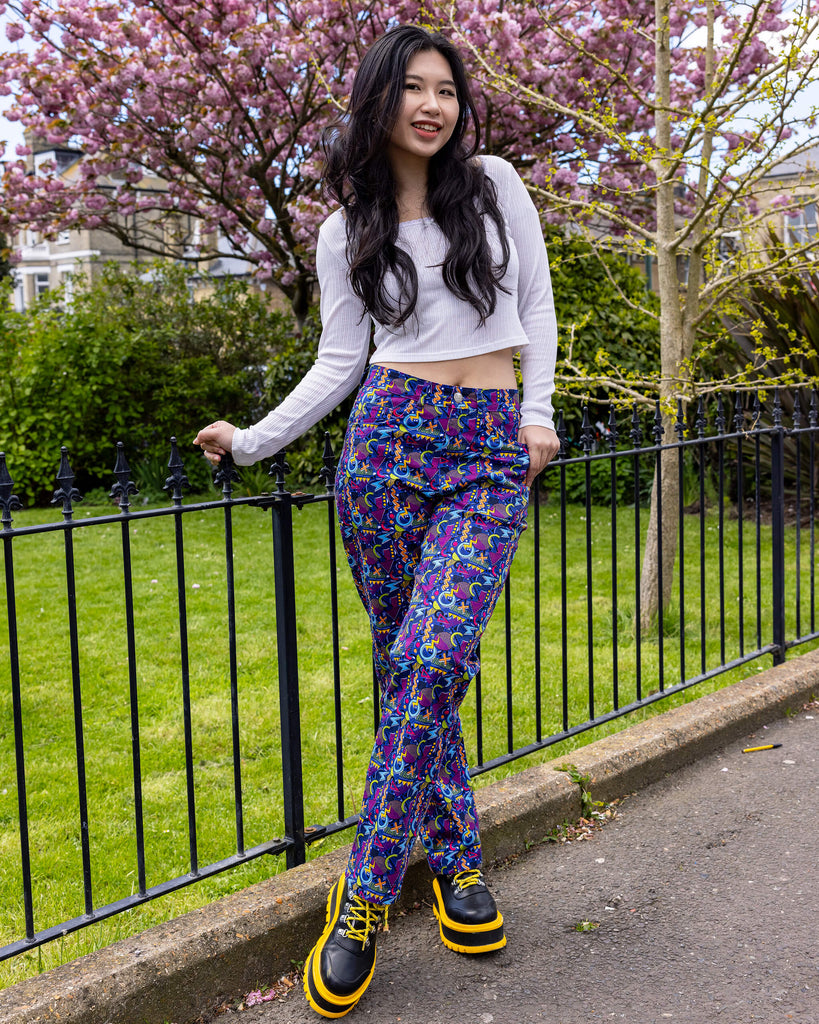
(10, 131)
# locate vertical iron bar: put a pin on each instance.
(700, 424)
(536, 570)
(9, 503)
(328, 476)
(778, 533)
(758, 517)
(331, 527)
(587, 442)
(564, 614)
(19, 750)
(797, 423)
(721, 520)
(813, 421)
(679, 429)
(615, 657)
(658, 441)
(284, 573)
(637, 440)
(739, 423)
(507, 598)
(67, 493)
(122, 490)
(184, 659)
(226, 475)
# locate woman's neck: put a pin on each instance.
(411, 188)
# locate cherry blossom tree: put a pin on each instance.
(210, 112)
(207, 110)
(690, 111)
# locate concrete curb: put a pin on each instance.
(177, 970)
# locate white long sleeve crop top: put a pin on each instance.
(442, 326)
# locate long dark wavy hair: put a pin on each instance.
(357, 174)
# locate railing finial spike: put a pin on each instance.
(679, 422)
(587, 437)
(177, 480)
(562, 436)
(125, 486)
(279, 469)
(613, 431)
(739, 413)
(66, 492)
(636, 432)
(700, 422)
(777, 409)
(9, 502)
(328, 472)
(720, 420)
(226, 474)
(658, 430)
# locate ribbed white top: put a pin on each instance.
(442, 326)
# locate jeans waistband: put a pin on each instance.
(415, 389)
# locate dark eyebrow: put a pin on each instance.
(444, 81)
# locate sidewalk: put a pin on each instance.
(704, 890)
(709, 873)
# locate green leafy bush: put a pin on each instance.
(605, 315)
(602, 305)
(135, 357)
(600, 482)
(772, 331)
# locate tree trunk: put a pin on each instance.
(677, 334)
(661, 546)
(663, 498)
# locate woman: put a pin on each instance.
(443, 252)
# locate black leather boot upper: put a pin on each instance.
(466, 898)
(341, 964)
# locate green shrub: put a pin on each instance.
(134, 357)
(605, 299)
(772, 331)
(600, 482)
(603, 311)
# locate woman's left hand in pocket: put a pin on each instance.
(542, 444)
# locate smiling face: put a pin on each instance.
(430, 109)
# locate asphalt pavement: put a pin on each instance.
(696, 902)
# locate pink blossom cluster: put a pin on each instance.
(223, 103)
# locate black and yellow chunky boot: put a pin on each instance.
(467, 915)
(341, 964)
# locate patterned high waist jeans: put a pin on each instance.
(432, 500)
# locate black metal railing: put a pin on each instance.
(566, 652)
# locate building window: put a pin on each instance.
(800, 227)
(193, 240)
(63, 238)
(41, 283)
(67, 284)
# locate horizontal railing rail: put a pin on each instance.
(569, 649)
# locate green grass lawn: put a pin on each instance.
(46, 678)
